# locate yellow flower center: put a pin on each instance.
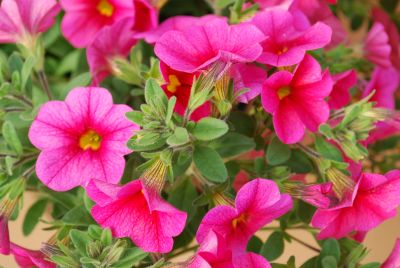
(283, 92)
(173, 83)
(283, 50)
(105, 8)
(241, 219)
(90, 140)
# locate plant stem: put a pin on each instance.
(192, 248)
(308, 150)
(22, 99)
(45, 83)
(304, 243)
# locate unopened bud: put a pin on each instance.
(154, 177)
(221, 199)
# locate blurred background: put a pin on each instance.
(379, 241)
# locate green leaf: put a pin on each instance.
(182, 197)
(136, 117)
(371, 265)
(130, 257)
(33, 215)
(179, 137)
(11, 137)
(254, 244)
(80, 239)
(209, 129)
(27, 70)
(299, 162)
(78, 216)
(277, 152)
(328, 150)
(329, 262)
(311, 263)
(305, 212)
(69, 62)
(273, 247)
(330, 247)
(78, 81)
(233, 144)
(210, 164)
(224, 3)
(170, 109)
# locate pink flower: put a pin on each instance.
(287, 39)
(30, 258)
(83, 19)
(319, 11)
(199, 46)
(257, 203)
(296, 101)
(274, 3)
(146, 18)
(178, 23)
(340, 95)
(374, 201)
(22, 20)
(179, 84)
(82, 138)
(249, 76)
(376, 46)
(215, 252)
(134, 211)
(392, 32)
(393, 261)
(111, 43)
(4, 236)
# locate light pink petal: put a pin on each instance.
(101, 192)
(377, 48)
(287, 123)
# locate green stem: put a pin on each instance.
(185, 250)
(45, 83)
(304, 243)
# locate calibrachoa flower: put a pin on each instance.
(393, 260)
(4, 236)
(340, 95)
(82, 138)
(111, 43)
(249, 76)
(257, 203)
(85, 18)
(30, 258)
(288, 38)
(138, 212)
(199, 46)
(179, 84)
(215, 252)
(374, 201)
(22, 20)
(376, 46)
(296, 101)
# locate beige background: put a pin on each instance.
(380, 241)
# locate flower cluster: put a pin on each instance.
(160, 141)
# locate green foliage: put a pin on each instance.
(273, 247)
(210, 164)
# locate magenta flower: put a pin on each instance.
(111, 43)
(376, 46)
(4, 236)
(296, 101)
(30, 258)
(199, 46)
(374, 201)
(393, 261)
(22, 20)
(84, 18)
(340, 94)
(257, 203)
(136, 212)
(82, 138)
(179, 84)
(178, 23)
(287, 38)
(215, 252)
(319, 11)
(146, 18)
(249, 76)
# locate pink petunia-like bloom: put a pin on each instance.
(296, 100)
(27, 258)
(249, 76)
(137, 212)
(199, 46)
(179, 84)
(22, 20)
(257, 203)
(111, 43)
(215, 252)
(374, 200)
(4, 236)
(393, 261)
(319, 11)
(376, 46)
(85, 18)
(82, 138)
(288, 39)
(178, 23)
(340, 94)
